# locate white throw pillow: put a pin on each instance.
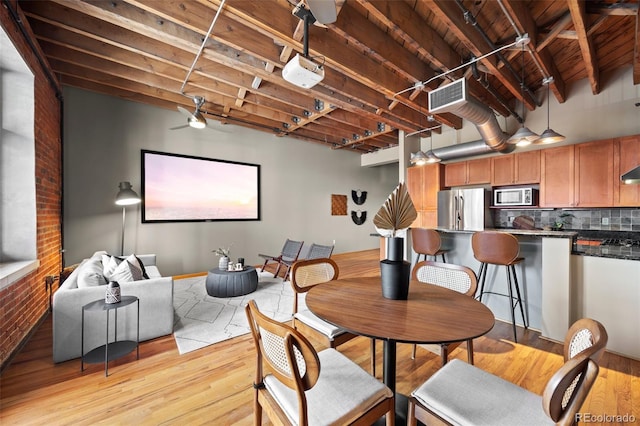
(109, 265)
(90, 274)
(127, 270)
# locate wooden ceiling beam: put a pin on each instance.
(523, 20)
(556, 29)
(361, 69)
(579, 17)
(450, 14)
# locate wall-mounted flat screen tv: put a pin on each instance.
(184, 188)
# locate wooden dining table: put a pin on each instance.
(431, 314)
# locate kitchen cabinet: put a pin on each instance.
(472, 172)
(516, 169)
(626, 157)
(423, 184)
(578, 175)
(557, 178)
(594, 174)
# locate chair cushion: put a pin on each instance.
(309, 318)
(463, 394)
(342, 393)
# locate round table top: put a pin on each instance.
(101, 305)
(432, 314)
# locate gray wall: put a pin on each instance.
(103, 137)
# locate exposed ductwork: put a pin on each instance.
(467, 149)
(453, 98)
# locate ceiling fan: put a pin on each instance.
(195, 119)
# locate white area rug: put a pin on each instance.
(202, 320)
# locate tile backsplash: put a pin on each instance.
(619, 219)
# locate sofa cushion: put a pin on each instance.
(128, 270)
(109, 265)
(90, 273)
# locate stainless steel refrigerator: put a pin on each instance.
(464, 209)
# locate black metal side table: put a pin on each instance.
(110, 350)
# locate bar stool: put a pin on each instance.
(502, 249)
(428, 243)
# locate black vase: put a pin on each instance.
(395, 271)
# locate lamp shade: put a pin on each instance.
(549, 136)
(126, 196)
(523, 137)
(418, 158)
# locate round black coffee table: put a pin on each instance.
(221, 283)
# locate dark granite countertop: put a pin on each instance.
(608, 251)
(613, 252)
(514, 231)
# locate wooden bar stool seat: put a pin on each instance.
(427, 242)
(502, 249)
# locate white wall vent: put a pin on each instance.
(448, 95)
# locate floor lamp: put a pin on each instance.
(126, 197)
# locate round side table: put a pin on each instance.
(222, 283)
(110, 350)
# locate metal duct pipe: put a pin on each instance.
(486, 85)
(467, 149)
(485, 121)
(453, 98)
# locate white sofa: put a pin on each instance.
(156, 311)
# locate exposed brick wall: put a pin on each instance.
(24, 304)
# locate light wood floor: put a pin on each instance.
(213, 385)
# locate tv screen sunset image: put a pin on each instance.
(181, 188)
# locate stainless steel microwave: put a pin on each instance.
(504, 197)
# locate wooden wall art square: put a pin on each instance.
(338, 205)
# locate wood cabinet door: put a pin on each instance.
(626, 157)
(557, 176)
(479, 171)
(415, 185)
(455, 174)
(527, 167)
(503, 170)
(594, 174)
(432, 183)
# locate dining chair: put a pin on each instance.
(585, 336)
(454, 277)
(306, 274)
(305, 387)
(288, 255)
(487, 399)
(460, 393)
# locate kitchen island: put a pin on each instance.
(564, 279)
(544, 277)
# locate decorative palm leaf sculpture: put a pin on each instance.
(396, 214)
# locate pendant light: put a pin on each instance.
(549, 136)
(418, 158)
(523, 136)
(431, 156)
